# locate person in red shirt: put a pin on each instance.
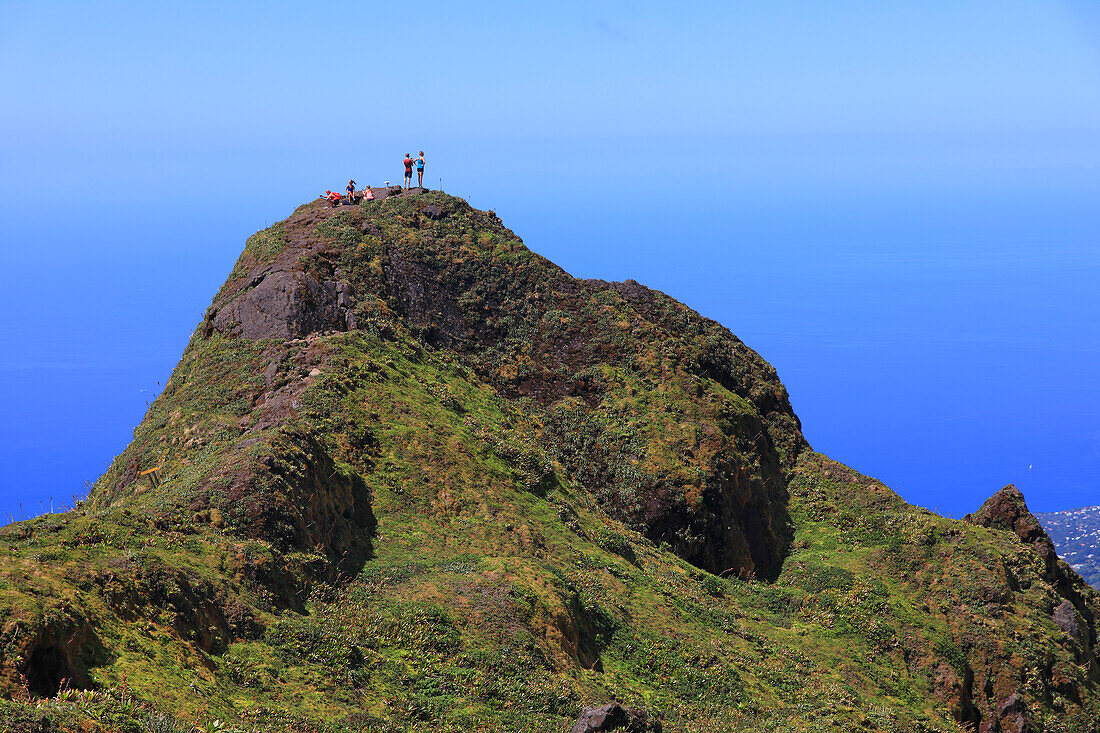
(408, 171)
(333, 198)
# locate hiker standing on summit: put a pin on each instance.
(420, 170)
(408, 171)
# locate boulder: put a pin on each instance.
(614, 716)
(1065, 618)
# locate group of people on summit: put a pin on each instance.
(336, 199)
(409, 170)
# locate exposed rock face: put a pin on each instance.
(285, 305)
(614, 716)
(1007, 510)
(1065, 618)
(288, 491)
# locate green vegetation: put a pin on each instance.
(505, 495)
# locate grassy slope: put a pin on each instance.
(497, 593)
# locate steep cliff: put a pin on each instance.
(410, 475)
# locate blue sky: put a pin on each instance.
(893, 202)
(227, 73)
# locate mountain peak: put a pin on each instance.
(429, 270)
(410, 475)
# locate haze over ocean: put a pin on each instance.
(896, 206)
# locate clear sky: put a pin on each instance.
(895, 203)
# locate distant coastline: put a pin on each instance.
(1076, 535)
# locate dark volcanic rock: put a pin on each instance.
(614, 716)
(384, 192)
(565, 331)
(283, 305)
(1007, 510)
(1065, 618)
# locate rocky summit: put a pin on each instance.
(409, 475)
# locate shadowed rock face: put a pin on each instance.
(584, 352)
(302, 501)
